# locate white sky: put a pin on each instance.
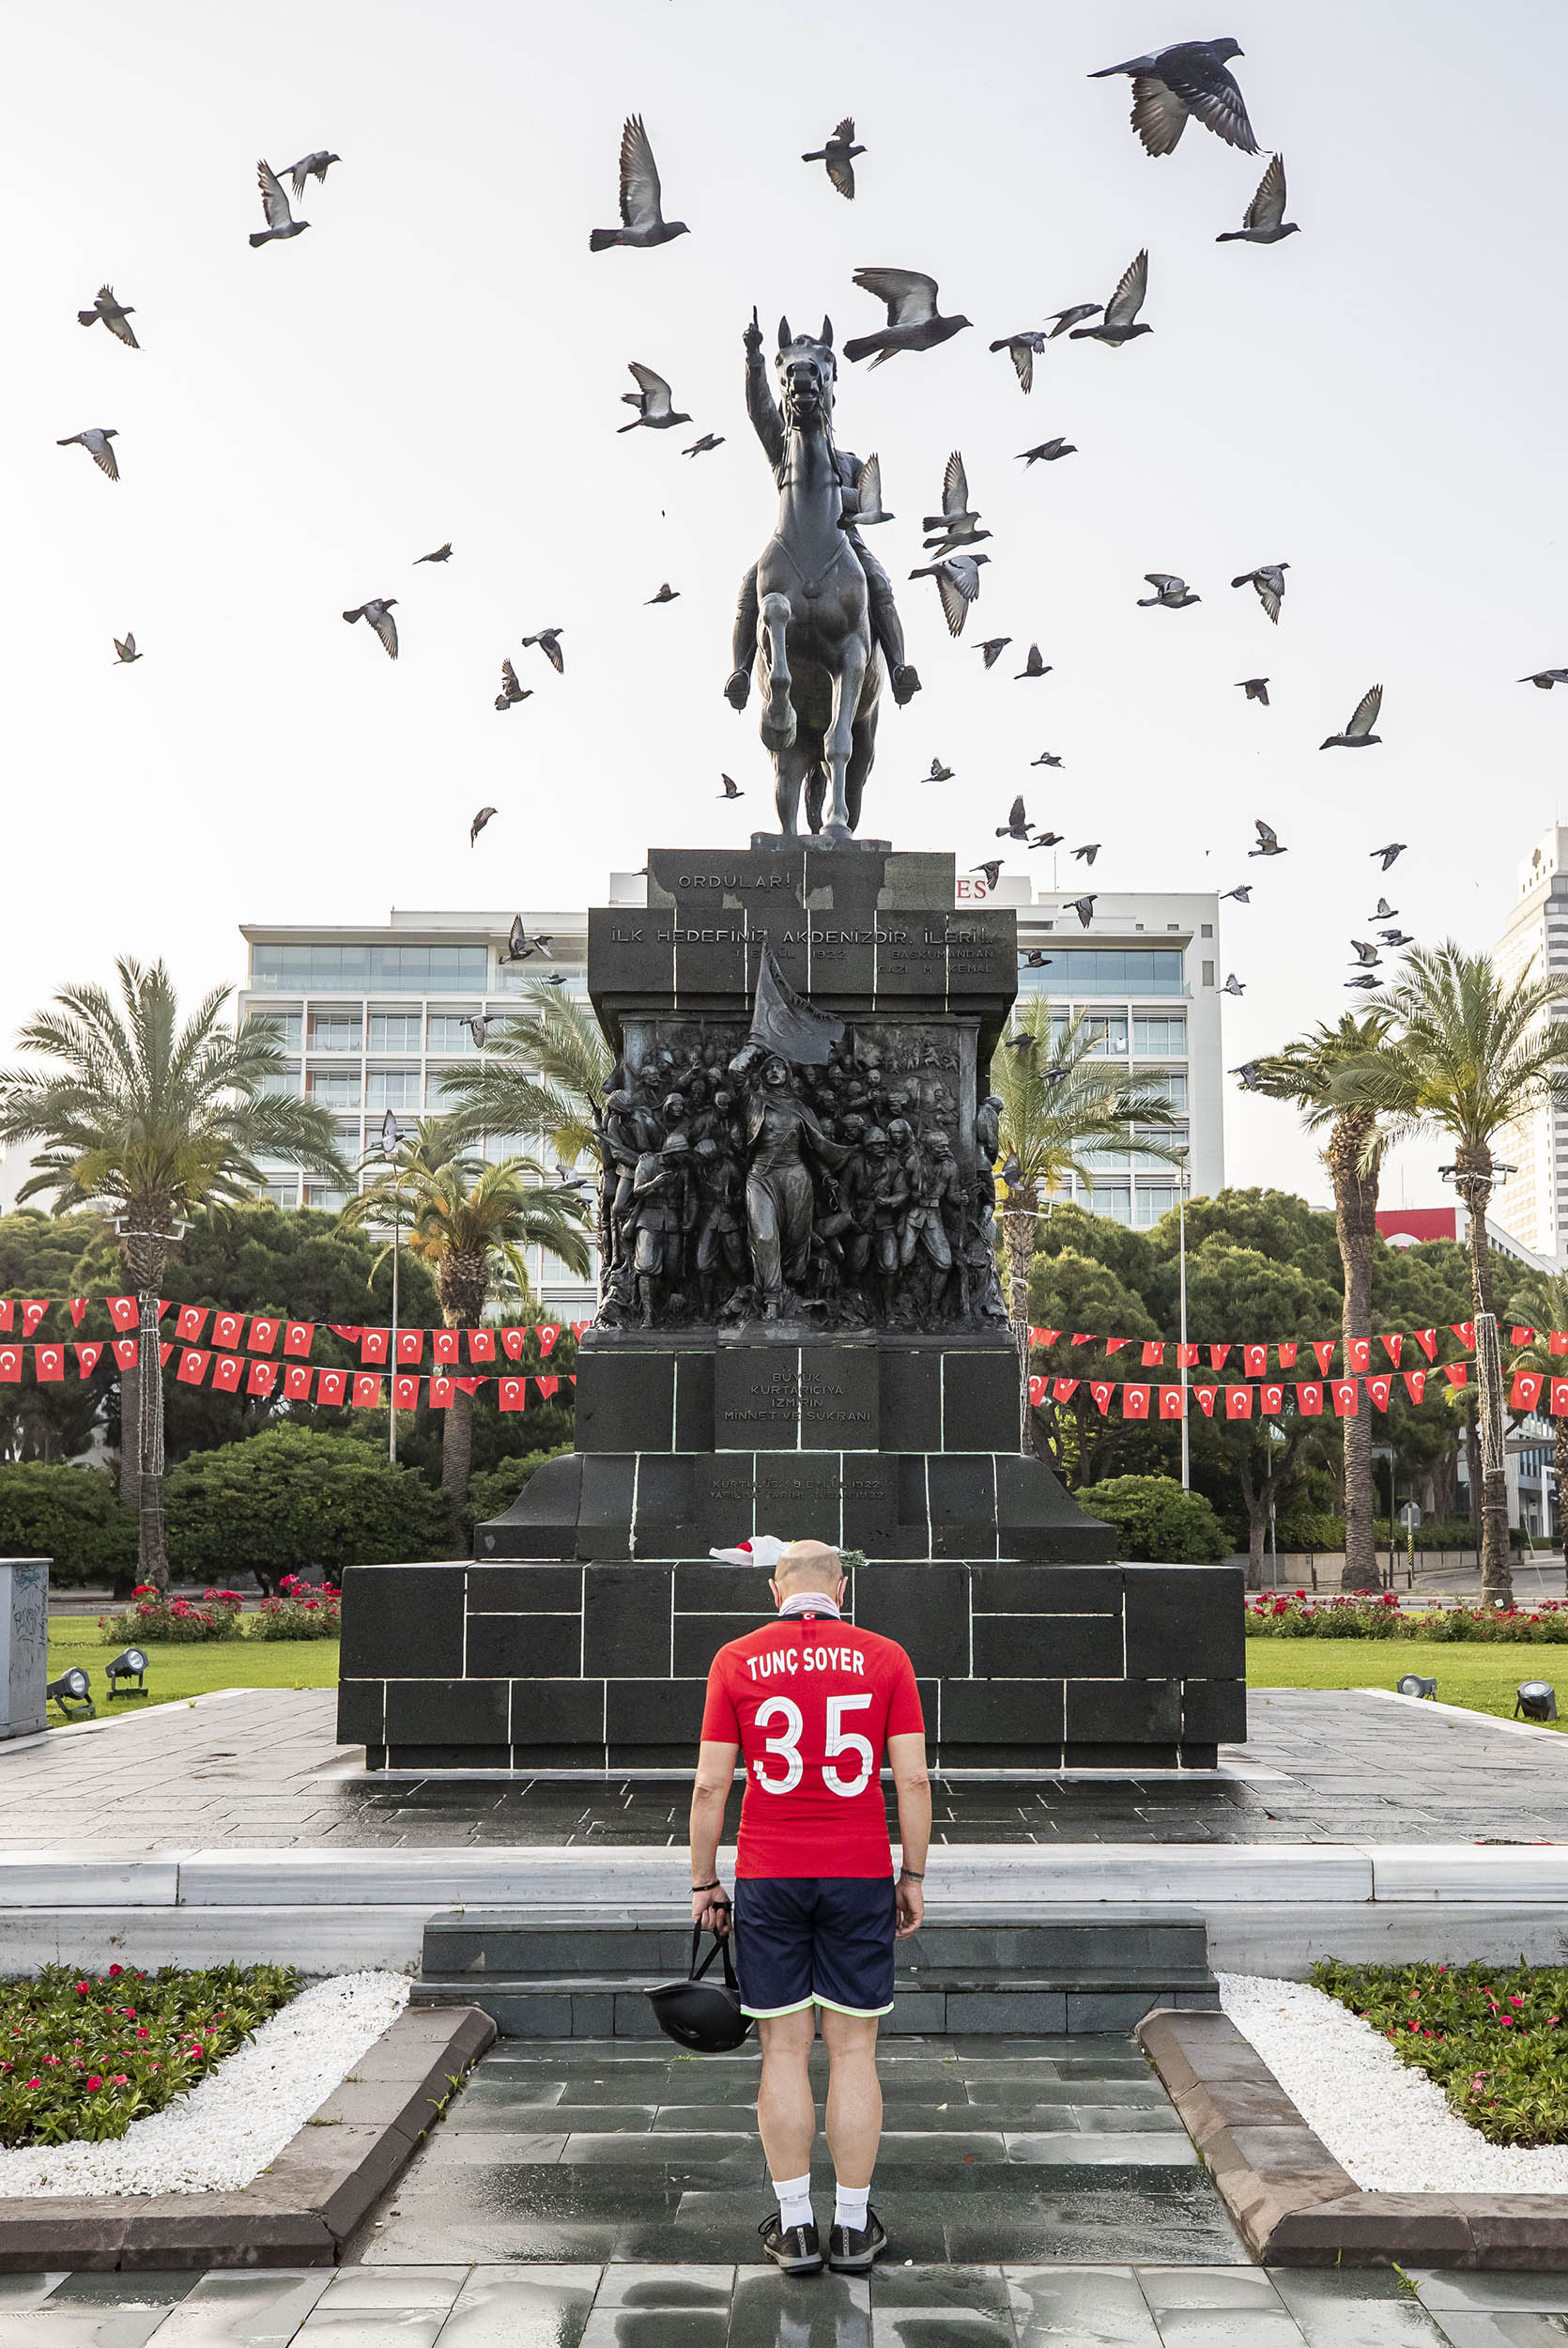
(1376, 401)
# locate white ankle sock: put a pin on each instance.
(850, 2208)
(795, 2200)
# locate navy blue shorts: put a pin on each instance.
(805, 1940)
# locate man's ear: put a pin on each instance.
(778, 1598)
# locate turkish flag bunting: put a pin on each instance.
(193, 1367)
(164, 1350)
(1171, 1403)
(1062, 1389)
(297, 1381)
(227, 1329)
(1114, 1345)
(1323, 1348)
(375, 1344)
(1392, 1347)
(6, 1311)
(1102, 1392)
(1560, 1397)
(1135, 1403)
(1217, 1356)
(49, 1362)
(330, 1385)
(1415, 1384)
(126, 1350)
(350, 1332)
(1465, 1331)
(298, 1336)
(440, 1394)
(1238, 1402)
(261, 1377)
(410, 1345)
(1457, 1373)
(1037, 1393)
(33, 1311)
(190, 1322)
(1525, 1393)
(513, 1340)
(1427, 1340)
(122, 1311)
(1380, 1388)
(264, 1334)
(1154, 1355)
(1517, 1336)
(1358, 1356)
(1309, 1400)
(10, 1365)
(1558, 1341)
(1083, 1336)
(367, 1390)
(546, 1331)
(578, 1326)
(1206, 1399)
(481, 1345)
(1286, 1353)
(86, 1357)
(1036, 1336)
(76, 1305)
(1347, 1397)
(444, 1342)
(1270, 1400)
(225, 1373)
(470, 1386)
(405, 1390)
(1254, 1360)
(1187, 1356)
(514, 1394)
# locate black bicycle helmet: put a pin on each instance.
(704, 2015)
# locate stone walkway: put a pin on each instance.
(260, 1768)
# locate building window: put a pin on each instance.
(1207, 929)
(333, 1091)
(370, 969)
(1208, 974)
(450, 1032)
(1165, 1038)
(392, 1088)
(286, 1081)
(394, 1031)
(1152, 1202)
(1167, 1083)
(321, 1195)
(1078, 970)
(285, 1026)
(336, 1031)
(283, 1192)
(1113, 1199)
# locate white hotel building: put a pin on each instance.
(1533, 1201)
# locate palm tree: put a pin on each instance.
(463, 1217)
(544, 1071)
(1304, 1072)
(150, 1120)
(1058, 1104)
(1541, 1303)
(1471, 1053)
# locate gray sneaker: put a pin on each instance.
(856, 2250)
(794, 2249)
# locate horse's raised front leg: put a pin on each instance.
(778, 710)
(839, 740)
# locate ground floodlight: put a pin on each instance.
(1536, 1699)
(73, 1690)
(129, 1665)
(1414, 1685)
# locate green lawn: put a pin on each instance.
(1482, 1678)
(177, 1673)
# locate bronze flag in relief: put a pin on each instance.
(784, 1021)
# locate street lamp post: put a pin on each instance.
(1181, 1350)
(391, 1136)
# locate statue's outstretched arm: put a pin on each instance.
(761, 406)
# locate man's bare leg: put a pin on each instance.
(854, 2095)
(785, 2115)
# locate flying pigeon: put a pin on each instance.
(1047, 839)
(1249, 1072)
(569, 1181)
(1025, 1043)
(114, 317)
(1243, 895)
(1255, 688)
(1047, 452)
(1357, 735)
(1083, 906)
(839, 154)
(939, 773)
(479, 823)
(378, 613)
(1370, 981)
(1018, 825)
(1268, 579)
(1264, 221)
(1396, 937)
(1087, 855)
(1192, 78)
(1033, 665)
(441, 554)
(1233, 984)
(1046, 758)
(1365, 954)
(1395, 848)
(281, 223)
(542, 944)
(667, 594)
(96, 441)
(958, 521)
(510, 689)
(1020, 349)
(957, 583)
(1169, 592)
(701, 448)
(653, 402)
(479, 1028)
(1034, 958)
(914, 320)
(126, 649)
(1546, 678)
(993, 649)
(555, 977)
(642, 219)
(309, 167)
(867, 497)
(517, 947)
(1074, 316)
(731, 789)
(1117, 325)
(1268, 840)
(991, 869)
(548, 641)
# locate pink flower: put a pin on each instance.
(120, 2080)
(1506, 2020)
(115, 1970)
(35, 2082)
(94, 2081)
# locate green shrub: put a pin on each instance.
(300, 1610)
(1494, 2038)
(1293, 1615)
(492, 1494)
(73, 1515)
(1157, 1523)
(290, 1498)
(154, 1617)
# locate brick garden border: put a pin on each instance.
(302, 2209)
(1293, 2204)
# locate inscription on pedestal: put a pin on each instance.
(818, 1396)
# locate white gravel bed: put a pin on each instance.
(219, 2135)
(1390, 2126)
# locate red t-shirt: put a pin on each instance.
(811, 1703)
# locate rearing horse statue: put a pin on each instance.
(818, 603)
